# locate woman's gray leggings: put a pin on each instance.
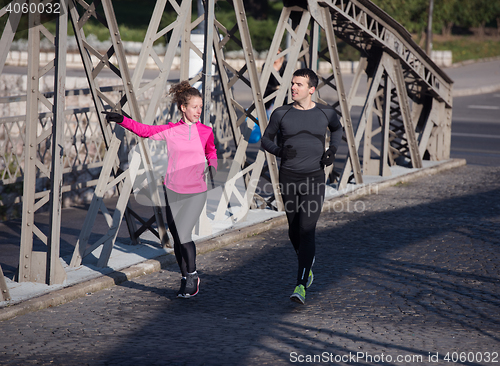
(183, 212)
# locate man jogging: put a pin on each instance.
(303, 125)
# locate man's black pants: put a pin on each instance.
(303, 197)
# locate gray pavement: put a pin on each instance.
(407, 275)
(472, 78)
(379, 288)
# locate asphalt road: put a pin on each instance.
(475, 129)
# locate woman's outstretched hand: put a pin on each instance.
(113, 117)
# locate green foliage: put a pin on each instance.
(257, 9)
(133, 18)
(132, 34)
(411, 14)
(445, 16)
(347, 52)
(496, 10)
(261, 29)
(475, 13)
(262, 33)
(134, 14)
(468, 48)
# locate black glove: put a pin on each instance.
(113, 117)
(210, 170)
(287, 152)
(328, 158)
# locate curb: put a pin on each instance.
(470, 62)
(363, 191)
(73, 292)
(475, 91)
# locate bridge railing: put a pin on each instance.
(84, 144)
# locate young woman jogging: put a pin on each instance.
(191, 154)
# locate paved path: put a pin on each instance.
(410, 272)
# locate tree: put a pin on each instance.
(257, 9)
(496, 15)
(476, 14)
(445, 16)
(483, 14)
(411, 14)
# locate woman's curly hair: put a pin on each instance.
(182, 92)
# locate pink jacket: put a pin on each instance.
(188, 147)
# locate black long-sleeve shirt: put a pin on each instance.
(305, 131)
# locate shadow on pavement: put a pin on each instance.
(369, 274)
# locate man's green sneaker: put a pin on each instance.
(310, 279)
(299, 295)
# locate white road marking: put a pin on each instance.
(475, 135)
(484, 107)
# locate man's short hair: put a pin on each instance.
(308, 73)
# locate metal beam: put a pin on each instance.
(257, 94)
(393, 67)
(129, 100)
(30, 167)
(132, 103)
(363, 25)
(207, 60)
(9, 31)
(344, 107)
(159, 84)
(54, 275)
(4, 290)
